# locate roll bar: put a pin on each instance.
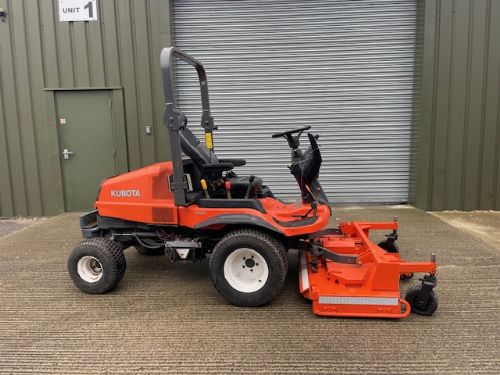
(172, 117)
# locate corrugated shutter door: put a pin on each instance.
(344, 67)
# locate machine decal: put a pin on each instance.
(131, 193)
(208, 140)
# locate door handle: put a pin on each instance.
(67, 153)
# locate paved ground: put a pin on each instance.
(8, 226)
(481, 224)
(168, 318)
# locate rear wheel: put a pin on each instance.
(96, 265)
(248, 267)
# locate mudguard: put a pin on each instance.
(240, 219)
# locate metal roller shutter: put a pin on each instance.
(344, 67)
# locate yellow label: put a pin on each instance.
(208, 140)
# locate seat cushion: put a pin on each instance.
(239, 184)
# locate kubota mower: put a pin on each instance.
(197, 207)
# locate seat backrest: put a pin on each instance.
(192, 147)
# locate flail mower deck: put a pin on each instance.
(197, 207)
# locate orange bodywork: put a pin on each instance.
(367, 288)
(144, 196)
(341, 270)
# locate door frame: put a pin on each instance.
(118, 128)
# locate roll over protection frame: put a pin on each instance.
(172, 120)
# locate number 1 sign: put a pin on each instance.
(77, 10)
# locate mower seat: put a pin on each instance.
(202, 155)
(197, 151)
(239, 185)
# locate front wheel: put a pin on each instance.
(248, 267)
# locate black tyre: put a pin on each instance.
(248, 267)
(143, 250)
(406, 276)
(96, 265)
(389, 247)
(427, 310)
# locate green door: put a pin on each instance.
(86, 146)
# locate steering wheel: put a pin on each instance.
(290, 132)
(293, 140)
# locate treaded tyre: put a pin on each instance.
(96, 265)
(143, 250)
(248, 267)
(431, 306)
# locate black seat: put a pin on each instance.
(202, 157)
(197, 151)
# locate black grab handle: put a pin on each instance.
(249, 188)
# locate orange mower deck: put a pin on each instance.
(362, 280)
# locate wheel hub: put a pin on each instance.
(246, 270)
(249, 263)
(89, 269)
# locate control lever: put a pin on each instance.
(249, 188)
(227, 186)
(314, 204)
(204, 186)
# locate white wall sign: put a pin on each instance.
(77, 10)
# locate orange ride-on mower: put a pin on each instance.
(197, 207)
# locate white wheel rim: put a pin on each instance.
(89, 269)
(246, 270)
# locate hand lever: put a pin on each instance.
(249, 188)
(314, 204)
(204, 186)
(227, 186)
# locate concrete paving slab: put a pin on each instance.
(168, 318)
(484, 225)
(8, 226)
